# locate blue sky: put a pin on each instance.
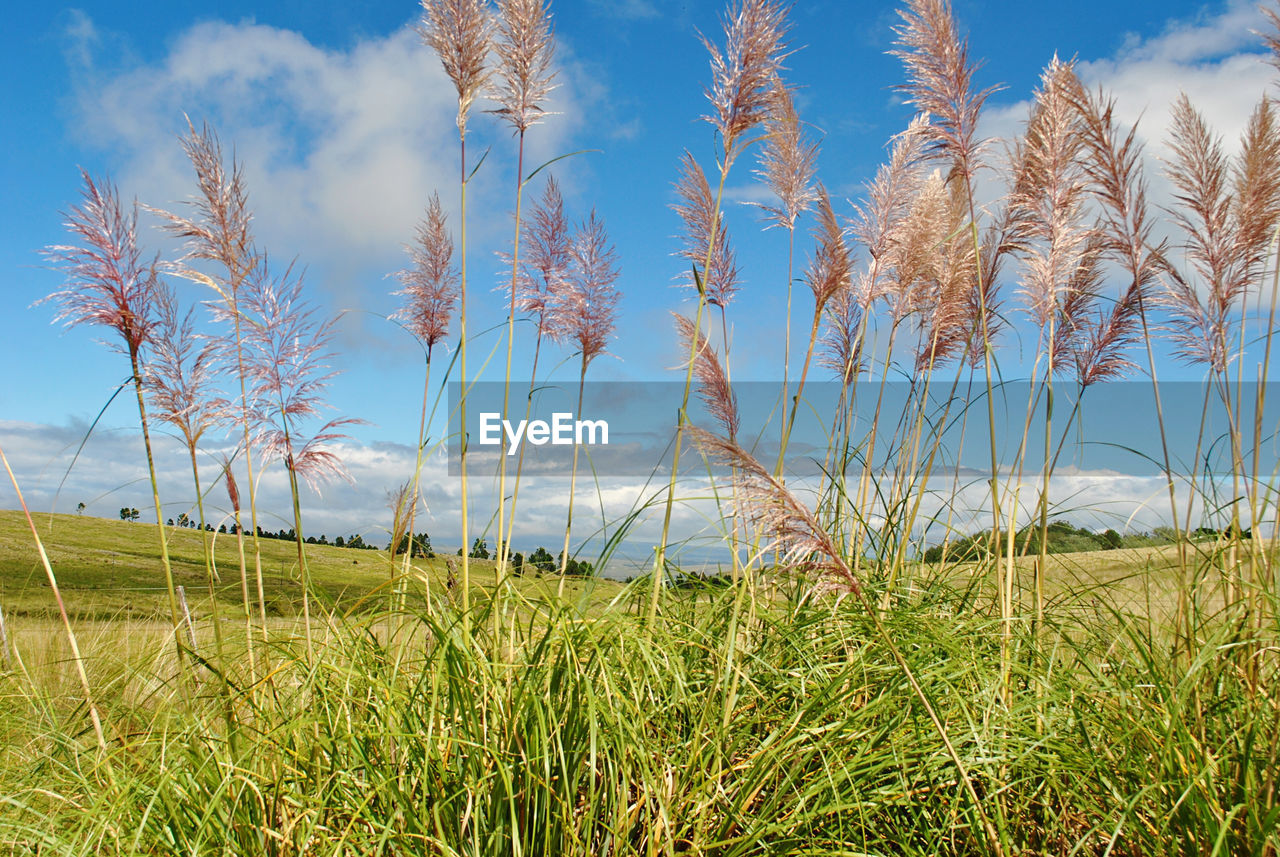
(345, 125)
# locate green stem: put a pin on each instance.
(682, 416)
(503, 535)
(462, 404)
(573, 484)
(155, 497)
(211, 575)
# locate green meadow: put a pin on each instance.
(861, 675)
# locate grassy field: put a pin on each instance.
(111, 570)
(829, 694)
(740, 723)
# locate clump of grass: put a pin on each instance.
(604, 740)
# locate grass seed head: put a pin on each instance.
(108, 282)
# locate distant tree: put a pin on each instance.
(128, 514)
(80, 508)
(340, 542)
(480, 548)
(542, 560)
(1111, 540)
(517, 563)
(170, 522)
(222, 528)
(575, 568)
(421, 545)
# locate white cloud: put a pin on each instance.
(341, 148)
(110, 473)
(1215, 60)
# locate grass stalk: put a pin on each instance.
(573, 484)
(78, 659)
(504, 536)
(155, 497)
(462, 377)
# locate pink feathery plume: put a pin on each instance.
(742, 77)
(461, 33)
(1202, 330)
(525, 47)
(311, 458)
(286, 362)
(229, 480)
(431, 285)
(218, 227)
(787, 160)
(587, 305)
(546, 259)
(181, 372)
(842, 335)
(697, 210)
(879, 222)
(941, 81)
(831, 269)
(1256, 182)
(791, 529)
(1113, 163)
(107, 281)
(1228, 214)
(1049, 196)
(948, 300)
(713, 384)
(1099, 355)
(909, 257)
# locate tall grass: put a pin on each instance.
(109, 283)
(1001, 700)
(217, 231)
(461, 32)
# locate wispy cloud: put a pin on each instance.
(1217, 60)
(342, 148)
